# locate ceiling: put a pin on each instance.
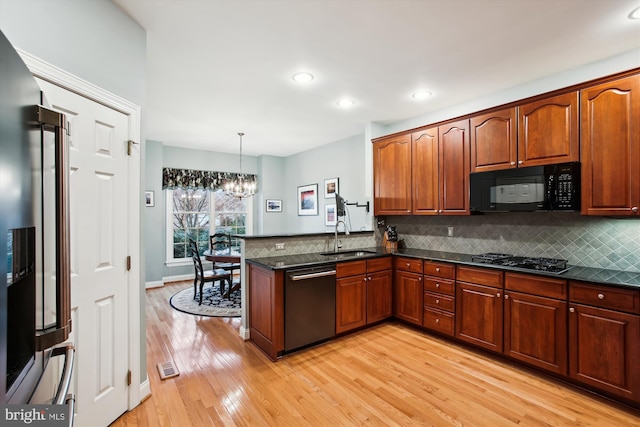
(219, 67)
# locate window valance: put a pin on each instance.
(209, 180)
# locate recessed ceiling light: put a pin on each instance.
(635, 13)
(420, 95)
(302, 77)
(346, 103)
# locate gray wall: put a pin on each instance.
(343, 159)
(271, 170)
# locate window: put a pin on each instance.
(189, 213)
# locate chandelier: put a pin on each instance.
(240, 187)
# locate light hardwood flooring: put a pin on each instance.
(388, 375)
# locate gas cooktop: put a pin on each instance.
(548, 265)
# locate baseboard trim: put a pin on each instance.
(244, 333)
(156, 284)
(145, 390)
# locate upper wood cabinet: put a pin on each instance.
(424, 157)
(392, 176)
(494, 141)
(610, 145)
(548, 131)
(454, 168)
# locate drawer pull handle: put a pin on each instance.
(498, 294)
(600, 296)
(437, 320)
(437, 285)
(438, 269)
(408, 265)
(437, 301)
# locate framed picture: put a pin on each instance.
(331, 188)
(274, 205)
(308, 200)
(330, 214)
(148, 198)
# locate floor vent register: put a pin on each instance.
(167, 370)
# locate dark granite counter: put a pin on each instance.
(586, 274)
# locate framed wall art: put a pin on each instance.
(331, 188)
(330, 215)
(274, 205)
(308, 200)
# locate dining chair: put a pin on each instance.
(221, 245)
(201, 276)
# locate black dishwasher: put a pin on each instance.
(309, 306)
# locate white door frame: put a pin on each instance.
(72, 83)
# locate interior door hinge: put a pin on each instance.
(130, 143)
(128, 377)
(129, 263)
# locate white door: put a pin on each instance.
(99, 248)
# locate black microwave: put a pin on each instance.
(534, 188)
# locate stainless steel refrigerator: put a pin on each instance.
(34, 224)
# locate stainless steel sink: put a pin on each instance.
(348, 254)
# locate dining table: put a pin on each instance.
(226, 261)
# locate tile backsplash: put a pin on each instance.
(609, 243)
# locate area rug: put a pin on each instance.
(213, 305)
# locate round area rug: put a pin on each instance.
(213, 305)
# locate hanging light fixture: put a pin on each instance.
(240, 187)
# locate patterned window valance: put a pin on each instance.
(188, 178)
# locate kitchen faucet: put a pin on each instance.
(336, 246)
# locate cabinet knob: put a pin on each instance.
(437, 285)
(420, 279)
(365, 279)
(571, 310)
(520, 162)
(408, 265)
(600, 296)
(437, 320)
(498, 294)
(513, 163)
(438, 269)
(634, 209)
(506, 296)
(437, 301)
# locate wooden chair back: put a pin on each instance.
(220, 244)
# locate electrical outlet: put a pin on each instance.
(450, 231)
(279, 246)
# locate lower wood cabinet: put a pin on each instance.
(408, 290)
(535, 321)
(439, 297)
(479, 307)
(363, 293)
(604, 341)
(266, 309)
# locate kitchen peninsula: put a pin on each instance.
(556, 323)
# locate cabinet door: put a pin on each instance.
(408, 297)
(535, 331)
(379, 298)
(266, 309)
(424, 153)
(603, 350)
(494, 141)
(610, 118)
(548, 131)
(479, 315)
(392, 176)
(351, 300)
(454, 168)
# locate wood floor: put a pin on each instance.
(388, 375)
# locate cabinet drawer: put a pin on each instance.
(606, 297)
(440, 269)
(481, 276)
(379, 264)
(408, 264)
(442, 286)
(443, 302)
(351, 268)
(536, 285)
(439, 321)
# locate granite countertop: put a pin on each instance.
(587, 274)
